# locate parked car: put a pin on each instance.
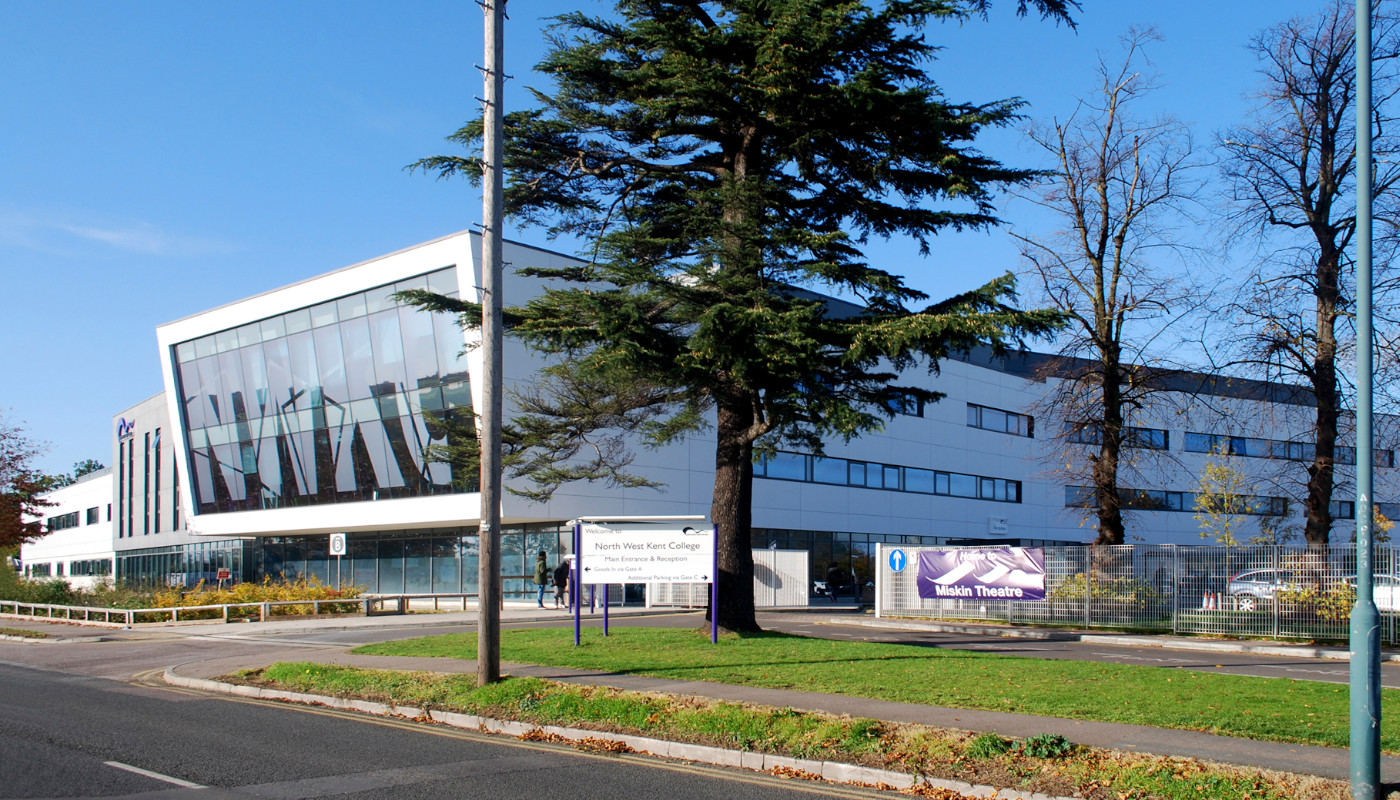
(1384, 588)
(1253, 585)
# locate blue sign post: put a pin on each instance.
(898, 560)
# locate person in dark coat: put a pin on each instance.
(834, 578)
(541, 577)
(561, 584)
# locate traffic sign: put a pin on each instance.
(645, 553)
(337, 544)
(898, 560)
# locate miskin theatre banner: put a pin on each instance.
(1003, 573)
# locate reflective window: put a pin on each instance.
(995, 419)
(337, 402)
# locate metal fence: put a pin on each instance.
(1227, 591)
(781, 579)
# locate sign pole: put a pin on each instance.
(605, 608)
(1365, 617)
(572, 593)
(714, 589)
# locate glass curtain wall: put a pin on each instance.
(337, 402)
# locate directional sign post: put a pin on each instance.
(640, 550)
(337, 548)
(898, 560)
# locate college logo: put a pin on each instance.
(125, 429)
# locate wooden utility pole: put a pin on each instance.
(488, 646)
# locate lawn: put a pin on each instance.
(1269, 709)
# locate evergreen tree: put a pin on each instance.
(725, 159)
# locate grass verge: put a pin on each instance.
(1267, 709)
(27, 634)
(932, 752)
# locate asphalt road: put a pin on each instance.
(67, 735)
(89, 717)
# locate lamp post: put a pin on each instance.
(1365, 618)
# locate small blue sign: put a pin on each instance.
(898, 560)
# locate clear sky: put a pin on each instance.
(159, 158)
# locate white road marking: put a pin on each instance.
(156, 775)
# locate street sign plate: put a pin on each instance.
(898, 560)
(645, 553)
(337, 547)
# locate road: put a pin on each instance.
(67, 735)
(90, 717)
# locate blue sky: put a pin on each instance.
(161, 158)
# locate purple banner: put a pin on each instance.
(1003, 573)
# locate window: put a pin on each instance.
(121, 489)
(1146, 438)
(995, 419)
(63, 522)
(891, 477)
(155, 501)
(1250, 447)
(1143, 438)
(146, 487)
(99, 566)
(259, 403)
(906, 405)
(91, 516)
(1166, 500)
(175, 495)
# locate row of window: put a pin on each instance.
(1133, 436)
(150, 500)
(63, 522)
(1251, 447)
(1346, 509)
(995, 419)
(1162, 500)
(95, 566)
(847, 472)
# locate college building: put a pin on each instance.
(317, 408)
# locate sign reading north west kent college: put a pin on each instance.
(994, 573)
(645, 553)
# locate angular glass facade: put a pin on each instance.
(337, 402)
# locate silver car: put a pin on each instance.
(1251, 586)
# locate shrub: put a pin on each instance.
(1333, 602)
(1045, 745)
(1121, 592)
(988, 745)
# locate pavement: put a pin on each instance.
(1321, 761)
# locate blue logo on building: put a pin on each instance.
(125, 429)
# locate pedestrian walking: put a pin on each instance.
(834, 577)
(561, 585)
(541, 577)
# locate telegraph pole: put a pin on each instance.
(1365, 618)
(489, 598)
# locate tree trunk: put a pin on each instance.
(1110, 504)
(1317, 529)
(732, 514)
